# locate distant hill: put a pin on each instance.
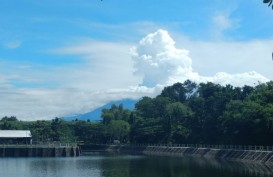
(95, 115)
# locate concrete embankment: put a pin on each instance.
(39, 151)
(256, 156)
(223, 154)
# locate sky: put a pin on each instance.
(68, 57)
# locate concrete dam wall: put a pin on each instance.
(223, 154)
(39, 151)
(256, 156)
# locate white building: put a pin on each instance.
(15, 137)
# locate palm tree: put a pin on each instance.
(269, 2)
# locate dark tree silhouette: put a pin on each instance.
(269, 2)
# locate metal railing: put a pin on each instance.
(209, 146)
(38, 145)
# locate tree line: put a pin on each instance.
(184, 113)
(207, 113)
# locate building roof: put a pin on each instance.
(15, 134)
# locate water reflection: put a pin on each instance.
(117, 165)
(152, 166)
(63, 167)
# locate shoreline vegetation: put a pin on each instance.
(184, 113)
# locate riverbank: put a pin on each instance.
(250, 156)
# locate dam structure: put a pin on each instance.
(39, 151)
(255, 154)
(18, 143)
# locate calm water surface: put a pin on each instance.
(109, 165)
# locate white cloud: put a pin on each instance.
(24, 67)
(13, 44)
(158, 61)
(106, 65)
(222, 22)
(210, 57)
(111, 71)
(104, 74)
(251, 78)
(29, 104)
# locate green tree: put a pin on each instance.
(148, 131)
(180, 92)
(11, 118)
(115, 113)
(62, 131)
(89, 132)
(10, 123)
(118, 130)
(244, 122)
(178, 122)
(41, 131)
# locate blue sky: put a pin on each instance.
(66, 57)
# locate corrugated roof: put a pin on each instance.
(15, 134)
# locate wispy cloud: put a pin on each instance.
(223, 22)
(105, 74)
(24, 67)
(29, 104)
(12, 44)
(103, 62)
(210, 57)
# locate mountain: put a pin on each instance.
(95, 115)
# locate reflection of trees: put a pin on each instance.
(154, 166)
(116, 166)
(44, 168)
(158, 167)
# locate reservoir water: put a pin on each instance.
(118, 165)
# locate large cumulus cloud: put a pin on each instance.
(159, 62)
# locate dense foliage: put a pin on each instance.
(206, 114)
(184, 113)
